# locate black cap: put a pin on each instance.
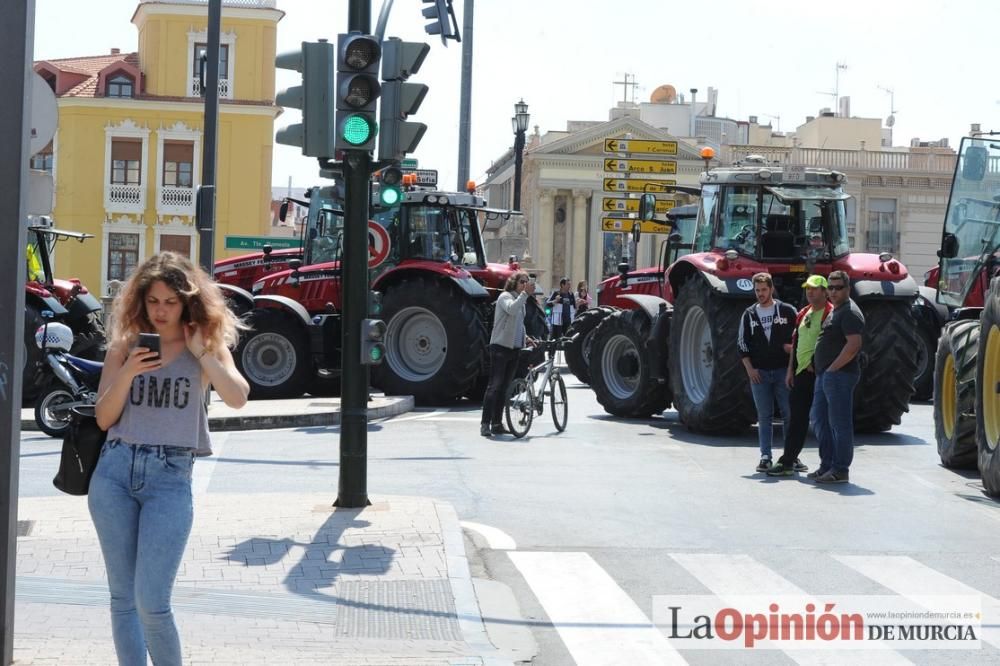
(563, 280)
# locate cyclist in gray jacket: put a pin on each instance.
(508, 337)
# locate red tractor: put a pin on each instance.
(68, 301)
(428, 261)
(675, 339)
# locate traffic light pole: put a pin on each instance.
(206, 198)
(352, 489)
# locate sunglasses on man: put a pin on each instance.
(837, 287)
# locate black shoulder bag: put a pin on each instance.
(80, 450)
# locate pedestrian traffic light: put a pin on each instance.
(442, 20)
(400, 60)
(314, 97)
(358, 58)
(374, 303)
(372, 341)
(390, 187)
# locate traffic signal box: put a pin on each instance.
(314, 97)
(400, 99)
(358, 58)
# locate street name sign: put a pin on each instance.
(640, 146)
(258, 242)
(636, 185)
(624, 224)
(424, 176)
(640, 166)
(612, 205)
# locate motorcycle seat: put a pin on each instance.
(85, 365)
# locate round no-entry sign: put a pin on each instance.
(378, 244)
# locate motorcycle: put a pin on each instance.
(71, 381)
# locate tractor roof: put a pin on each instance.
(755, 169)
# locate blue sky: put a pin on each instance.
(772, 58)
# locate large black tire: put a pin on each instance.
(621, 373)
(923, 379)
(710, 386)
(90, 340)
(584, 327)
(987, 395)
(955, 388)
(435, 342)
(274, 355)
(889, 343)
(33, 377)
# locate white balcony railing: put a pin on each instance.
(247, 4)
(121, 198)
(875, 160)
(175, 200)
(224, 89)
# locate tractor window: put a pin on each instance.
(389, 219)
(429, 233)
(326, 245)
(706, 218)
(737, 228)
(469, 250)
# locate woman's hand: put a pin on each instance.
(141, 360)
(194, 340)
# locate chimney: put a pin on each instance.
(753, 120)
(694, 111)
(975, 129)
(116, 51)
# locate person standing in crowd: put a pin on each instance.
(507, 339)
(153, 407)
(562, 302)
(837, 373)
(764, 341)
(801, 375)
(583, 299)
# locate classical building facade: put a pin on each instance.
(126, 157)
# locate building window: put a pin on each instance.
(199, 52)
(178, 164)
(882, 233)
(42, 161)
(851, 218)
(126, 158)
(119, 86)
(123, 255)
(181, 244)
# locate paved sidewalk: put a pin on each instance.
(266, 579)
(296, 413)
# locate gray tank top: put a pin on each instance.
(166, 407)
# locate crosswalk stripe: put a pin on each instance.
(596, 620)
(909, 578)
(739, 574)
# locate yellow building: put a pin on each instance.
(126, 157)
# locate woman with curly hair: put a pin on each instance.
(153, 407)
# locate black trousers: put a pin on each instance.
(557, 332)
(800, 400)
(503, 364)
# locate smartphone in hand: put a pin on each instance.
(151, 341)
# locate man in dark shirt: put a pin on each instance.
(837, 373)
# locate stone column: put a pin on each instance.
(579, 249)
(546, 222)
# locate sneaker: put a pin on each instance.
(779, 469)
(498, 429)
(800, 466)
(764, 464)
(818, 473)
(833, 477)
(484, 430)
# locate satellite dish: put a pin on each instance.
(890, 121)
(44, 114)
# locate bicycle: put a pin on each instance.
(527, 394)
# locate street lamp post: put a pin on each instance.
(519, 123)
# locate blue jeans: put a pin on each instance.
(140, 502)
(833, 419)
(772, 387)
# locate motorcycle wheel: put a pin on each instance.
(52, 420)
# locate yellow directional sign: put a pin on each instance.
(640, 146)
(625, 224)
(641, 166)
(636, 185)
(632, 205)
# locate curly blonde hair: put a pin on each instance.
(204, 303)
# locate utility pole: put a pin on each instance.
(17, 36)
(209, 151)
(465, 103)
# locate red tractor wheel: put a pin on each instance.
(621, 373)
(955, 393)
(274, 355)
(578, 353)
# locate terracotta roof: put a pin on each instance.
(89, 66)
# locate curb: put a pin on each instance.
(387, 407)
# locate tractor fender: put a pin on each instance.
(885, 289)
(650, 304)
(241, 298)
(41, 303)
(465, 283)
(284, 303)
(87, 303)
(928, 309)
(736, 287)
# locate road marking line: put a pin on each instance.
(420, 417)
(909, 578)
(495, 537)
(739, 574)
(205, 467)
(596, 620)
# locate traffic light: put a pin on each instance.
(372, 341)
(315, 62)
(374, 303)
(358, 89)
(390, 187)
(399, 99)
(443, 22)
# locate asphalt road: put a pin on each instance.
(588, 526)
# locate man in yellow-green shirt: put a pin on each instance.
(801, 375)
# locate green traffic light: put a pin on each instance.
(390, 195)
(375, 354)
(357, 130)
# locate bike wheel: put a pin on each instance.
(558, 402)
(518, 408)
(51, 414)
